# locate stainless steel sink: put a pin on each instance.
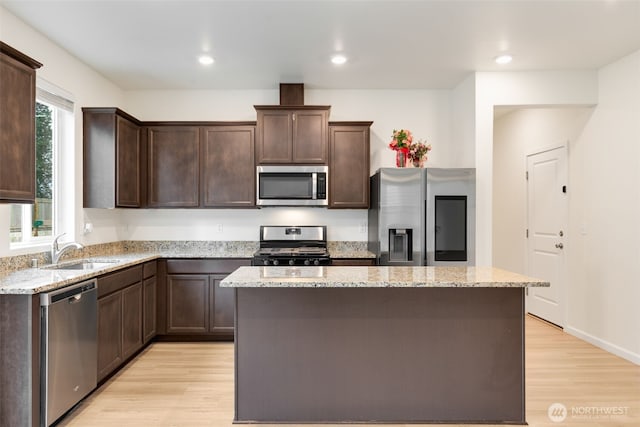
(82, 265)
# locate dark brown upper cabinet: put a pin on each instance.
(17, 126)
(174, 166)
(228, 171)
(349, 165)
(114, 167)
(295, 134)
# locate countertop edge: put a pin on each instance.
(378, 277)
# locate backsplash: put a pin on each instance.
(347, 246)
(196, 248)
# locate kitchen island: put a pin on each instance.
(379, 344)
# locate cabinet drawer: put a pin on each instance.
(112, 282)
(149, 269)
(205, 266)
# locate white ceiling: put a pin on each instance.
(390, 44)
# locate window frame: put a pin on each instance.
(63, 127)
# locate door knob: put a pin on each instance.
(559, 245)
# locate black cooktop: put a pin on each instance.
(304, 251)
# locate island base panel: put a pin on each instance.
(380, 354)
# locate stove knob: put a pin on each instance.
(276, 262)
(316, 262)
(265, 262)
(291, 262)
(307, 262)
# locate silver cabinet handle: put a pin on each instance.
(559, 245)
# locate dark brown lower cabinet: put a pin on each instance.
(20, 360)
(120, 314)
(188, 301)
(196, 306)
(109, 334)
(149, 297)
(149, 301)
(131, 319)
(223, 305)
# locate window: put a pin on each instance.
(33, 224)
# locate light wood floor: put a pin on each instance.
(187, 384)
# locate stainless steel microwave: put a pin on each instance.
(292, 185)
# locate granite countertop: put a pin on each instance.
(377, 277)
(43, 279)
(36, 280)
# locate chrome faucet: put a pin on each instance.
(56, 252)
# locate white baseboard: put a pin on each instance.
(605, 345)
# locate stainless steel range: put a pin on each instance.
(292, 245)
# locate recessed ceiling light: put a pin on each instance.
(205, 59)
(338, 59)
(503, 59)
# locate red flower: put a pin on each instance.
(401, 140)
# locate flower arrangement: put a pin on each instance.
(401, 140)
(418, 152)
(402, 143)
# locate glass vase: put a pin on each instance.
(418, 163)
(401, 159)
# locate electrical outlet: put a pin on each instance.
(363, 227)
(88, 227)
(219, 228)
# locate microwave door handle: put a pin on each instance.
(314, 185)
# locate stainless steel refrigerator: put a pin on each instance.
(423, 216)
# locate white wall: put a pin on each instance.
(602, 250)
(515, 135)
(604, 228)
(86, 87)
(425, 112)
(463, 124)
(241, 224)
(516, 89)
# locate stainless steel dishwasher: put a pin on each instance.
(68, 365)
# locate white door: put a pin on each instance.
(547, 226)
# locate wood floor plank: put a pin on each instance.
(191, 385)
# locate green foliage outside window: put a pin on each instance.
(44, 152)
(42, 208)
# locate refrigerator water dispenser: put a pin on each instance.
(400, 244)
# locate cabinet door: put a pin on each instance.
(17, 131)
(149, 308)
(109, 334)
(349, 167)
(309, 136)
(127, 163)
(173, 166)
(274, 137)
(131, 319)
(188, 300)
(223, 308)
(228, 169)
